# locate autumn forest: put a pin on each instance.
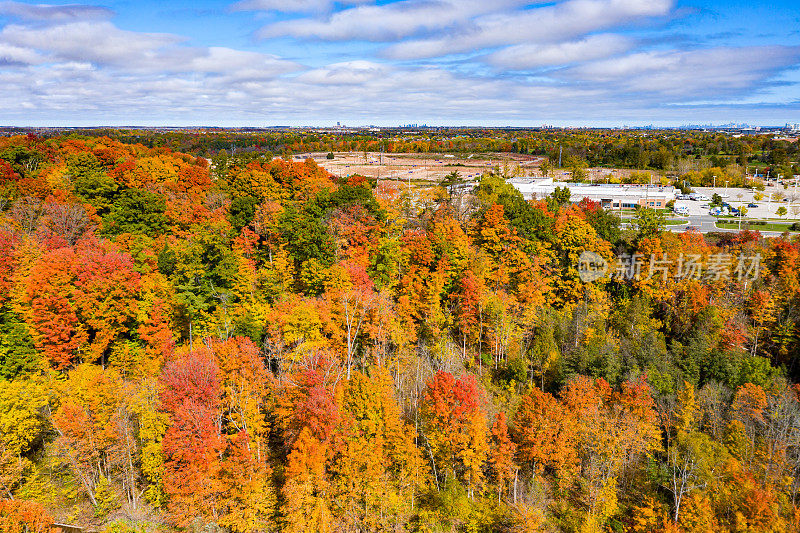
(195, 339)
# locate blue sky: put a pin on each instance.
(440, 62)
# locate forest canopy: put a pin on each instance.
(198, 340)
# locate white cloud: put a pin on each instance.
(238, 63)
(388, 22)
(555, 23)
(690, 74)
(529, 56)
(48, 12)
(80, 93)
(97, 42)
(103, 44)
(348, 73)
(358, 90)
(69, 70)
(17, 55)
(292, 6)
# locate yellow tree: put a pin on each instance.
(574, 235)
(306, 490)
(503, 248)
(375, 467)
(88, 423)
(152, 424)
(352, 297)
(21, 424)
(246, 391)
(245, 481)
(614, 431)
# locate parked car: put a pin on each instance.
(752, 205)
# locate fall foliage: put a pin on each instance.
(250, 344)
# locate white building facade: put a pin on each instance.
(609, 196)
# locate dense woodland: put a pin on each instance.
(254, 345)
(668, 151)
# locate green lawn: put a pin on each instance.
(769, 220)
(755, 227)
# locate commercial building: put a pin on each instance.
(609, 196)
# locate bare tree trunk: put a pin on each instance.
(516, 478)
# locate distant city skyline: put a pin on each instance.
(590, 63)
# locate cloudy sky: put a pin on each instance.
(384, 62)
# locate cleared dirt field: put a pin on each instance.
(433, 167)
(421, 167)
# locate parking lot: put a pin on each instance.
(767, 208)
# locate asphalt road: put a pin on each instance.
(707, 224)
